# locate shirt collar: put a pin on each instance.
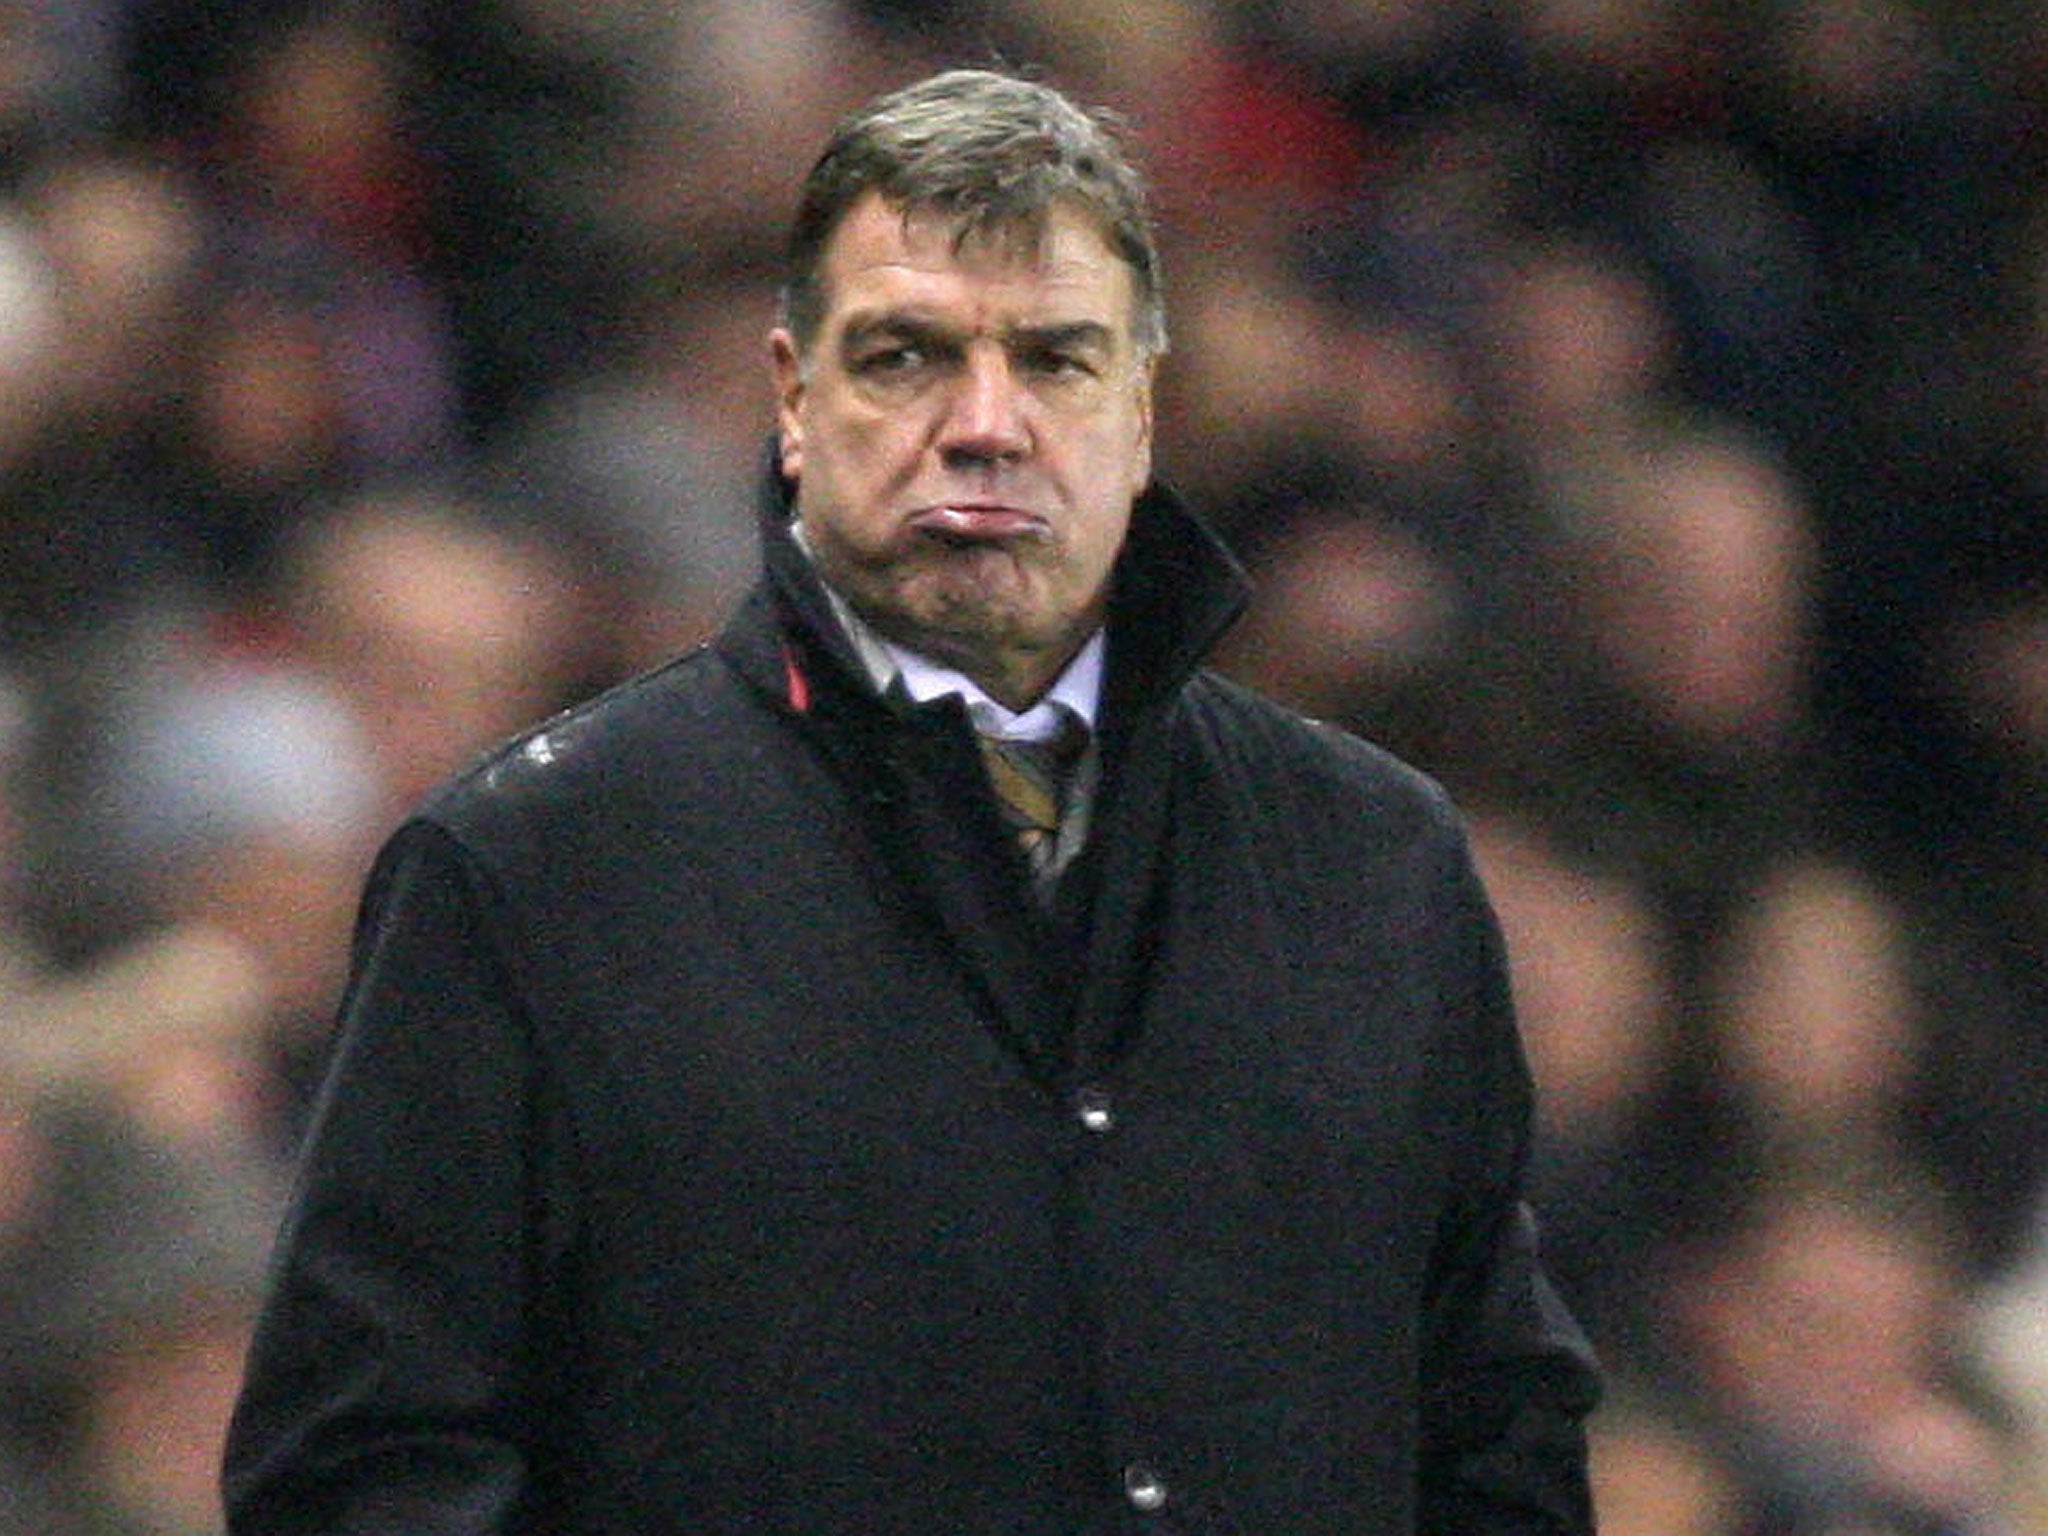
(1073, 695)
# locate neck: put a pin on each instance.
(1015, 682)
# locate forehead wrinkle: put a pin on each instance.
(922, 247)
(912, 323)
(884, 266)
(1036, 283)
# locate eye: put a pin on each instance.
(1056, 362)
(884, 361)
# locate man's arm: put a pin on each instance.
(1510, 1377)
(385, 1387)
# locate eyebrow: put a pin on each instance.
(900, 326)
(1065, 334)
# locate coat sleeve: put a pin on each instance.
(1510, 1378)
(388, 1387)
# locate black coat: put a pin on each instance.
(719, 1139)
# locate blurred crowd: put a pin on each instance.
(1630, 410)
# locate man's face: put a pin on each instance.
(967, 433)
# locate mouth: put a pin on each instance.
(964, 524)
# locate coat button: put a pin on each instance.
(1093, 1109)
(1144, 1488)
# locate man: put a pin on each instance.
(736, 1127)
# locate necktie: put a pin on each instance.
(1029, 778)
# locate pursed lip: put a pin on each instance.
(979, 522)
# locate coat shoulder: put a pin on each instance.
(665, 734)
(1307, 769)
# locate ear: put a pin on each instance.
(786, 367)
(1141, 458)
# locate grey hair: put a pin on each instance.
(991, 151)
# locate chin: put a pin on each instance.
(977, 592)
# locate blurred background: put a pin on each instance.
(1631, 411)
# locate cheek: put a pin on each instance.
(854, 474)
(866, 446)
(1128, 464)
(1104, 524)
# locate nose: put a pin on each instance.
(985, 419)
